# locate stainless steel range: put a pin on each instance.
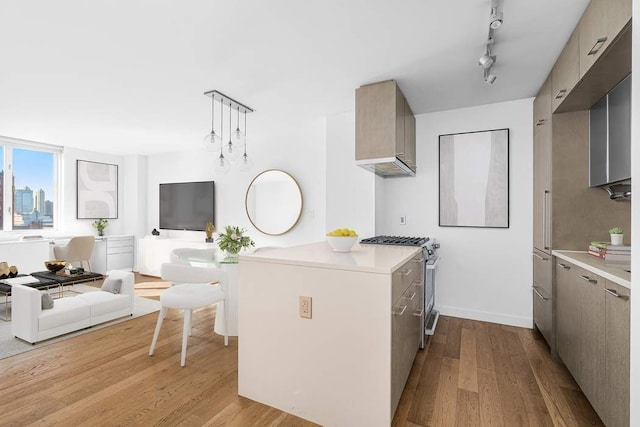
(430, 256)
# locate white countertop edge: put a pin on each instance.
(566, 255)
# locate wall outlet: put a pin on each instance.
(403, 220)
(305, 307)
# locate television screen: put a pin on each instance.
(187, 205)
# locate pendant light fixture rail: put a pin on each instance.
(226, 100)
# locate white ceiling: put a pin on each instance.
(127, 76)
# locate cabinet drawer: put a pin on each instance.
(542, 268)
(116, 243)
(120, 250)
(120, 261)
(543, 313)
(405, 276)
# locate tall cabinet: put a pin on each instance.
(567, 214)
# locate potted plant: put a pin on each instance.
(100, 225)
(617, 235)
(233, 240)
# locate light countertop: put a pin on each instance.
(381, 259)
(616, 272)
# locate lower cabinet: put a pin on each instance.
(593, 326)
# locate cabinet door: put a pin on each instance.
(400, 125)
(566, 72)
(618, 16)
(568, 318)
(617, 328)
(594, 35)
(542, 135)
(99, 256)
(598, 143)
(409, 136)
(376, 120)
(592, 334)
(619, 142)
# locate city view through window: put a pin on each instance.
(32, 184)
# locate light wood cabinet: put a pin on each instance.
(542, 134)
(617, 336)
(593, 326)
(385, 124)
(566, 72)
(601, 22)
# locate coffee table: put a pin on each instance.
(42, 284)
(67, 280)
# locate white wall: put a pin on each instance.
(635, 230)
(350, 189)
(298, 149)
(69, 223)
(484, 273)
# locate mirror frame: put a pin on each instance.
(246, 197)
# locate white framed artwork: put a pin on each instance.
(474, 179)
(97, 190)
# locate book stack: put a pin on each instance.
(609, 252)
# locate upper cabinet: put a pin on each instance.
(601, 22)
(385, 130)
(566, 73)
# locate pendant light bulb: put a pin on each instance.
(231, 151)
(222, 165)
(246, 163)
(237, 135)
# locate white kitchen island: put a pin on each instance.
(348, 364)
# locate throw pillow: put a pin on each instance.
(112, 285)
(47, 301)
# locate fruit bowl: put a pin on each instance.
(341, 243)
(55, 265)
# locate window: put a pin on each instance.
(28, 195)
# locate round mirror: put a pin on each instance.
(273, 202)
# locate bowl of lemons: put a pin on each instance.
(342, 239)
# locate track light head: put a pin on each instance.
(490, 78)
(496, 19)
(486, 61)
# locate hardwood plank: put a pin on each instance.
(452, 348)
(484, 351)
(444, 411)
(422, 407)
(514, 410)
(537, 411)
(468, 375)
(581, 409)
(467, 409)
(489, 403)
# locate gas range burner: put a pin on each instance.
(395, 240)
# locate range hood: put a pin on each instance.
(386, 166)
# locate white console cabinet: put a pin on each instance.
(112, 253)
(154, 250)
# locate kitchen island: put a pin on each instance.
(348, 363)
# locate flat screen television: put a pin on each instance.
(187, 205)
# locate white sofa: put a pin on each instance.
(31, 323)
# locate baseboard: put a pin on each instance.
(503, 319)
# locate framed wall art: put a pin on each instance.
(97, 190)
(474, 179)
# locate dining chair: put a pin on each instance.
(193, 290)
(79, 249)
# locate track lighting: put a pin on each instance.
(496, 19)
(490, 78)
(486, 61)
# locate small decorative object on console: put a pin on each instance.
(233, 240)
(155, 232)
(209, 229)
(100, 225)
(7, 271)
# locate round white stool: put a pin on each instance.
(187, 297)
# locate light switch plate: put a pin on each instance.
(305, 307)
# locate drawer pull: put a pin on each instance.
(616, 294)
(560, 93)
(565, 266)
(540, 256)
(406, 271)
(419, 313)
(540, 122)
(588, 279)
(400, 310)
(597, 45)
(539, 294)
(411, 297)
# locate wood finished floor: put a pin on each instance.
(473, 373)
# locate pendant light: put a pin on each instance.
(237, 135)
(246, 163)
(231, 151)
(221, 165)
(212, 141)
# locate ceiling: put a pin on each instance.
(128, 76)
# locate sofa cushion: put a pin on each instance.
(105, 302)
(46, 301)
(112, 285)
(66, 310)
